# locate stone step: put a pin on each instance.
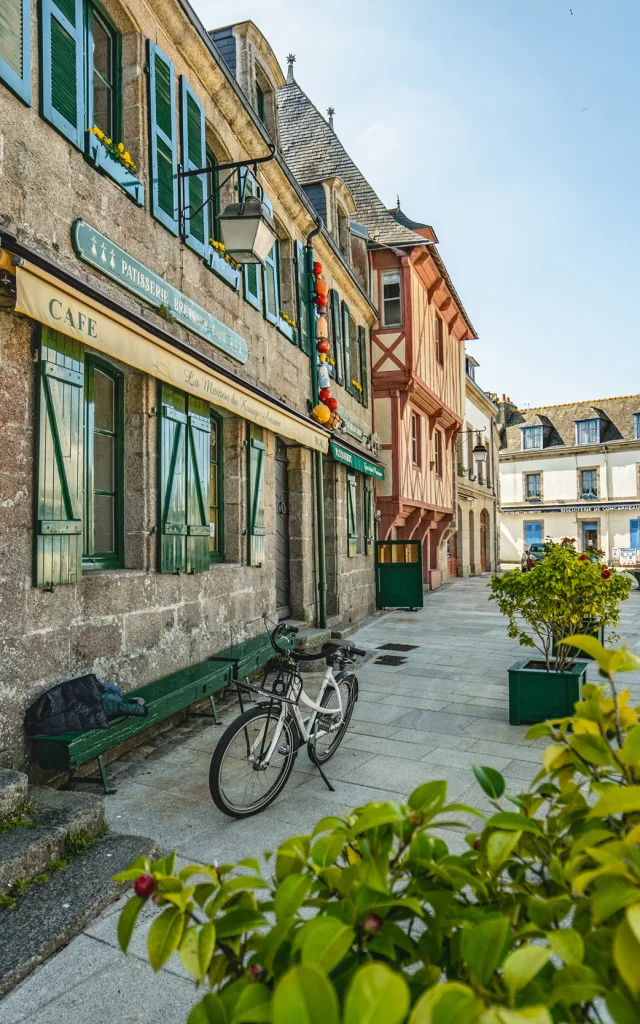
(13, 791)
(341, 630)
(48, 916)
(28, 850)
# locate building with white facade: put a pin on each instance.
(571, 471)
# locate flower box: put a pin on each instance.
(286, 329)
(221, 267)
(99, 157)
(536, 695)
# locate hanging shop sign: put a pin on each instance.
(590, 508)
(104, 255)
(352, 428)
(354, 461)
(53, 302)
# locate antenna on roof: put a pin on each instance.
(331, 111)
(398, 203)
(291, 59)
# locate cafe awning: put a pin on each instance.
(354, 461)
(54, 302)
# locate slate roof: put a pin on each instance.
(616, 417)
(401, 217)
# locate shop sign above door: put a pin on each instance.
(354, 461)
(100, 252)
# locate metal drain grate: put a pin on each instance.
(389, 659)
(398, 647)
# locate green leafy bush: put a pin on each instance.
(563, 594)
(371, 920)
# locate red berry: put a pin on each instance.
(255, 972)
(476, 844)
(144, 886)
(583, 558)
(606, 573)
(372, 923)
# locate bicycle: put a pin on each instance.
(256, 754)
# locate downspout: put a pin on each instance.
(322, 553)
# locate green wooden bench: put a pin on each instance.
(250, 655)
(165, 697)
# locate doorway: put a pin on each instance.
(472, 544)
(452, 555)
(283, 577)
(589, 536)
(484, 539)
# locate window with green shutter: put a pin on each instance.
(352, 514)
(216, 490)
(103, 74)
(59, 461)
(250, 271)
(162, 138)
(368, 515)
(62, 67)
(302, 294)
(336, 327)
(194, 157)
(271, 285)
(184, 481)
(257, 531)
(346, 347)
(15, 47)
(103, 466)
(364, 364)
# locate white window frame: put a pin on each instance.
(398, 274)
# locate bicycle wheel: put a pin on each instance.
(321, 748)
(237, 786)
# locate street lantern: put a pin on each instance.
(480, 453)
(248, 231)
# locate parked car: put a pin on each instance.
(534, 553)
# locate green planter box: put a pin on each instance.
(536, 695)
(100, 158)
(574, 652)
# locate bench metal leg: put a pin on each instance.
(105, 778)
(216, 716)
(72, 781)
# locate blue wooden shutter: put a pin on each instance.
(346, 345)
(302, 292)
(62, 67)
(60, 461)
(162, 139)
(364, 372)
(634, 533)
(173, 470)
(271, 285)
(198, 479)
(352, 517)
(338, 348)
(194, 157)
(250, 271)
(257, 531)
(15, 47)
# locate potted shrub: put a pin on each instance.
(561, 593)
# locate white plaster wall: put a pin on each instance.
(510, 483)
(559, 481)
(623, 474)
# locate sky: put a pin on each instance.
(510, 126)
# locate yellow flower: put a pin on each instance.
(121, 147)
(107, 142)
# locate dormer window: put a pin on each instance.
(343, 230)
(471, 369)
(587, 431)
(260, 103)
(532, 437)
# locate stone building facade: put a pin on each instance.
(159, 464)
(571, 470)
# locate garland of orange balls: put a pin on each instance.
(326, 412)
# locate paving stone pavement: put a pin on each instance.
(433, 717)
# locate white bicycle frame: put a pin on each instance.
(305, 725)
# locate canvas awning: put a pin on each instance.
(354, 461)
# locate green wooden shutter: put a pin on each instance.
(60, 460)
(368, 515)
(162, 138)
(257, 531)
(302, 291)
(15, 47)
(62, 67)
(173, 471)
(198, 478)
(250, 272)
(194, 157)
(338, 348)
(364, 373)
(352, 519)
(346, 345)
(271, 285)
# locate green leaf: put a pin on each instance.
(631, 748)
(250, 862)
(610, 899)
(491, 781)
(499, 846)
(617, 800)
(521, 967)
(253, 1006)
(623, 1008)
(324, 941)
(164, 936)
(164, 866)
(140, 866)
(592, 748)
(327, 850)
(305, 995)
(196, 950)
(377, 814)
(528, 1015)
(483, 946)
(511, 821)
(127, 921)
(377, 995)
(590, 646)
(328, 824)
(209, 1010)
(568, 945)
(633, 920)
(576, 984)
(429, 797)
(537, 730)
(236, 922)
(446, 1004)
(291, 894)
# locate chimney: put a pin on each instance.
(505, 408)
(330, 112)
